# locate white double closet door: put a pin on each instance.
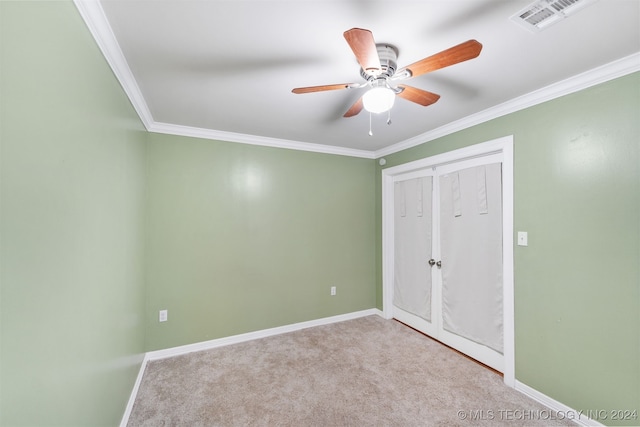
(448, 259)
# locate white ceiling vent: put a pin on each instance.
(543, 13)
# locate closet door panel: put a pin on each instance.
(471, 254)
(413, 243)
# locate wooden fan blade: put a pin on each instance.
(454, 55)
(355, 108)
(364, 48)
(320, 88)
(418, 96)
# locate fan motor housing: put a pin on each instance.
(388, 55)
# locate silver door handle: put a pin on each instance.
(439, 264)
(432, 262)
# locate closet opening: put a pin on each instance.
(447, 235)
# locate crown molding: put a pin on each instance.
(613, 70)
(96, 20)
(179, 130)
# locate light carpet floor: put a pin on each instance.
(363, 372)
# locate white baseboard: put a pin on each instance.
(235, 339)
(134, 393)
(563, 411)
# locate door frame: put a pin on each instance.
(502, 146)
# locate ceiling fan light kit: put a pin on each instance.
(378, 66)
(378, 99)
(381, 96)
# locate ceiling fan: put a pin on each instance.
(379, 69)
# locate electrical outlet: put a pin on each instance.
(523, 238)
(333, 291)
(163, 315)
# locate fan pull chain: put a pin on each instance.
(370, 132)
(389, 118)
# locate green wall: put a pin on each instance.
(102, 225)
(577, 284)
(243, 238)
(72, 170)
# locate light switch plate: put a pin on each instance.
(523, 238)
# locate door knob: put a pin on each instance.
(432, 262)
(439, 264)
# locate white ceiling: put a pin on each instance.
(225, 69)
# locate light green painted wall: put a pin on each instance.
(72, 170)
(235, 238)
(577, 284)
(243, 238)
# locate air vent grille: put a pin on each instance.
(543, 13)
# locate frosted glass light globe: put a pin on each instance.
(378, 99)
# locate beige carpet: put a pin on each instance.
(362, 372)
